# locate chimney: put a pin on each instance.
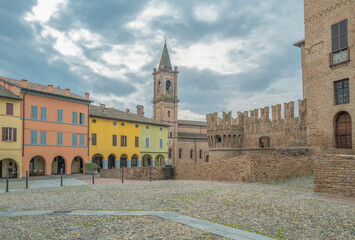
(87, 95)
(67, 91)
(103, 108)
(127, 110)
(50, 88)
(140, 110)
(23, 83)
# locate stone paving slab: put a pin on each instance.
(203, 225)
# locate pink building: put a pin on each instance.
(55, 128)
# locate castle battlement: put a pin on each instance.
(260, 116)
(247, 128)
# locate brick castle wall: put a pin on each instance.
(335, 174)
(134, 173)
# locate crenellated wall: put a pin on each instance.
(255, 129)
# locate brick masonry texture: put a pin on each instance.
(257, 166)
(334, 174)
(134, 173)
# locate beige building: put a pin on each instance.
(187, 140)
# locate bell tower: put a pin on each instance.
(165, 100)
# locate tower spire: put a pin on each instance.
(165, 63)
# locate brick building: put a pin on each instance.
(187, 140)
(328, 74)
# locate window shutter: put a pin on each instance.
(335, 37)
(14, 137)
(343, 35)
(93, 139)
(9, 109)
(114, 140)
(3, 134)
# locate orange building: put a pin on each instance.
(55, 128)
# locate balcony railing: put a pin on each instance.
(339, 57)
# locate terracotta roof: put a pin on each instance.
(192, 135)
(42, 88)
(192, 123)
(111, 113)
(5, 93)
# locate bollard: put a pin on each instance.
(7, 181)
(61, 177)
(122, 174)
(26, 179)
(93, 178)
(150, 173)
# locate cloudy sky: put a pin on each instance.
(232, 54)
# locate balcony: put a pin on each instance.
(339, 57)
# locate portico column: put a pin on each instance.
(117, 163)
(139, 163)
(104, 164)
(166, 161)
(129, 163)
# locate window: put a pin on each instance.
(180, 153)
(339, 36)
(168, 113)
(74, 139)
(59, 115)
(114, 123)
(340, 52)
(159, 86)
(82, 118)
(75, 117)
(43, 113)
(43, 137)
(146, 127)
(59, 138)
(171, 134)
(94, 139)
(9, 134)
(34, 112)
(122, 124)
(161, 143)
(9, 109)
(168, 85)
(81, 140)
(136, 125)
(170, 151)
(123, 141)
(114, 140)
(147, 142)
(94, 121)
(33, 137)
(200, 153)
(136, 141)
(341, 92)
(191, 153)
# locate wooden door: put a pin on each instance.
(343, 131)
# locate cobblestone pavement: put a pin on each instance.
(97, 227)
(267, 209)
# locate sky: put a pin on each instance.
(233, 55)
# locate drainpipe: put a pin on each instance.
(88, 131)
(23, 124)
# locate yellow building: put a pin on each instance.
(115, 137)
(11, 134)
(154, 144)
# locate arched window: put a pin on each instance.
(207, 158)
(191, 153)
(200, 153)
(264, 142)
(170, 151)
(159, 86)
(180, 153)
(168, 85)
(168, 113)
